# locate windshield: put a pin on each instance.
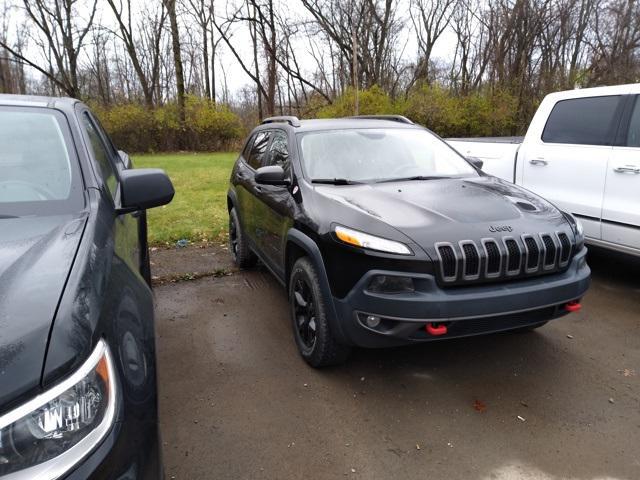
(369, 155)
(37, 173)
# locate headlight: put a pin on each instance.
(578, 230)
(364, 240)
(48, 435)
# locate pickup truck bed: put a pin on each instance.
(497, 153)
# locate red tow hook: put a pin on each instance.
(573, 306)
(436, 329)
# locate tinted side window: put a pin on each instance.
(279, 150)
(258, 150)
(101, 154)
(584, 121)
(633, 135)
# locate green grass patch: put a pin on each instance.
(198, 211)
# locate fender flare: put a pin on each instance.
(313, 252)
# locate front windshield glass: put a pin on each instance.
(369, 155)
(38, 176)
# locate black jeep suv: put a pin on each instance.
(384, 235)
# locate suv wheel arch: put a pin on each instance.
(299, 244)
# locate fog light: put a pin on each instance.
(391, 284)
(372, 321)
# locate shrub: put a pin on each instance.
(135, 128)
(373, 101)
(439, 109)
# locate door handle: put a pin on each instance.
(627, 169)
(538, 161)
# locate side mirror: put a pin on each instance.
(476, 162)
(272, 175)
(144, 188)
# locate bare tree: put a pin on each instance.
(170, 5)
(60, 33)
(144, 53)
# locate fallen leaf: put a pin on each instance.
(479, 406)
(522, 419)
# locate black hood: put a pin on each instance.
(36, 255)
(450, 210)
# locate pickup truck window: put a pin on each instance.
(633, 135)
(582, 121)
(39, 171)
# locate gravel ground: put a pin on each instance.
(237, 402)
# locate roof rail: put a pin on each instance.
(290, 119)
(393, 118)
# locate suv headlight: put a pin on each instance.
(48, 435)
(364, 240)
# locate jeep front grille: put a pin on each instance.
(500, 258)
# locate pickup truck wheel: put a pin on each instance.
(311, 328)
(240, 251)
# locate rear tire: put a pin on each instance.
(238, 246)
(311, 329)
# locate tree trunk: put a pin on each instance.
(177, 59)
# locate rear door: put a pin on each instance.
(568, 164)
(621, 208)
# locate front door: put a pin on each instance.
(275, 205)
(246, 187)
(621, 208)
(568, 164)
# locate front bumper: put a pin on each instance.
(471, 310)
(130, 451)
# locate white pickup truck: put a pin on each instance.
(581, 152)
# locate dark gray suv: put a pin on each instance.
(77, 347)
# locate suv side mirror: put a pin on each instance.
(271, 175)
(144, 188)
(476, 162)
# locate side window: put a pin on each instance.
(583, 121)
(633, 134)
(279, 150)
(101, 153)
(258, 150)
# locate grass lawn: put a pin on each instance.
(198, 211)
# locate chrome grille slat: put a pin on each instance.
(495, 258)
(565, 249)
(470, 260)
(550, 251)
(514, 256)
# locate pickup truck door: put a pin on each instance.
(621, 208)
(567, 164)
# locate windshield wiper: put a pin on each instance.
(416, 177)
(335, 181)
(2, 215)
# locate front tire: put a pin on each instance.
(312, 332)
(242, 255)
